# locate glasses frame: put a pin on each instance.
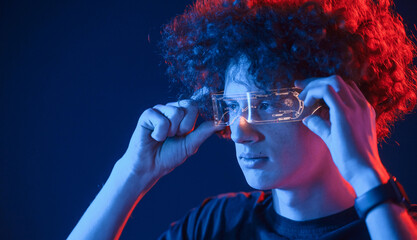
(255, 94)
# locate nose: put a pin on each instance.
(244, 132)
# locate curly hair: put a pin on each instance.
(364, 41)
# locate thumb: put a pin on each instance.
(195, 138)
(317, 125)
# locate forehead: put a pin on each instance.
(238, 79)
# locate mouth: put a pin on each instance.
(249, 161)
(251, 156)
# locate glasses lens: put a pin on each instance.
(275, 106)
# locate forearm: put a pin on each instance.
(390, 221)
(107, 215)
(387, 220)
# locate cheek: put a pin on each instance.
(296, 156)
(306, 150)
(293, 144)
(284, 135)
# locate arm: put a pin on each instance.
(163, 139)
(107, 215)
(395, 219)
(350, 135)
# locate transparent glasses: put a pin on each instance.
(273, 106)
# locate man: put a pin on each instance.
(255, 67)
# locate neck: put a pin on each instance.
(327, 195)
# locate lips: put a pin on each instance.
(251, 156)
(252, 161)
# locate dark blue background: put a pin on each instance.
(74, 78)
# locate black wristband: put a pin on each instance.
(390, 191)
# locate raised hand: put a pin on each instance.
(349, 132)
(165, 137)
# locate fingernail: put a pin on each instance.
(301, 96)
(305, 120)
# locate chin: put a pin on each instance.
(257, 179)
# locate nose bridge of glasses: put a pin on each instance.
(247, 110)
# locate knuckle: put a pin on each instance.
(328, 88)
(158, 106)
(337, 78)
(146, 114)
(175, 104)
(329, 91)
(148, 111)
(163, 123)
(336, 82)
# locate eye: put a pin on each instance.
(232, 106)
(264, 106)
(271, 105)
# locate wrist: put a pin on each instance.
(369, 178)
(391, 191)
(124, 171)
(142, 166)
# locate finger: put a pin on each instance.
(317, 82)
(154, 123)
(190, 116)
(304, 82)
(328, 94)
(356, 92)
(174, 115)
(318, 125)
(199, 135)
(339, 86)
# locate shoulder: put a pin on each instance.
(219, 214)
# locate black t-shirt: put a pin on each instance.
(252, 216)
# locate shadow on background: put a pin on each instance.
(74, 78)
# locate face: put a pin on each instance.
(277, 155)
